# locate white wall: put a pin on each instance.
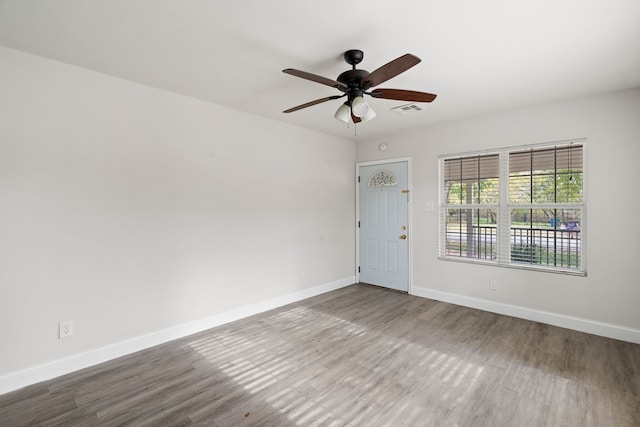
(130, 210)
(610, 294)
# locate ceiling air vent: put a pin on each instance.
(408, 108)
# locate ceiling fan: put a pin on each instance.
(356, 83)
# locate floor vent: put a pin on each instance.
(408, 108)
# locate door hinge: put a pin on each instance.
(358, 269)
(358, 179)
(358, 224)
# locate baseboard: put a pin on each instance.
(578, 324)
(23, 378)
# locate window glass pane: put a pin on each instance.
(383, 178)
(550, 237)
(486, 191)
(470, 180)
(520, 188)
(549, 175)
(471, 233)
(569, 186)
(542, 188)
(456, 193)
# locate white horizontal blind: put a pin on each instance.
(546, 206)
(519, 207)
(470, 199)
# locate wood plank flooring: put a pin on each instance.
(358, 356)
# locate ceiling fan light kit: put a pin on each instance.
(359, 107)
(356, 83)
(370, 115)
(343, 113)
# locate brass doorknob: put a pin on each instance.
(404, 236)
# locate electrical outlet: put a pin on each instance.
(493, 284)
(65, 329)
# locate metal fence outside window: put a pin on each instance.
(542, 246)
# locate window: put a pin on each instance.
(518, 207)
(383, 178)
(471, 188)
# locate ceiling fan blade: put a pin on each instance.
(315, 78)
(387, 71)
(309, 104)
(403, 95)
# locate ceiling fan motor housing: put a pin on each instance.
(352, 79)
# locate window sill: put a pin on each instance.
(564, 271)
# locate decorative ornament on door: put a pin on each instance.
(383, 178)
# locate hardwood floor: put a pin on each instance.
(358, 356)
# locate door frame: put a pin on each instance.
(409, 216)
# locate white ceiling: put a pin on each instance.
(478, 56)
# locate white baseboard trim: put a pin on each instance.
(25, 377)
(578, 324)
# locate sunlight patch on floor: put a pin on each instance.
(286, 363)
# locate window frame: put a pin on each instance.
(505, 207)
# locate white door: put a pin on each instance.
(384, 247)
